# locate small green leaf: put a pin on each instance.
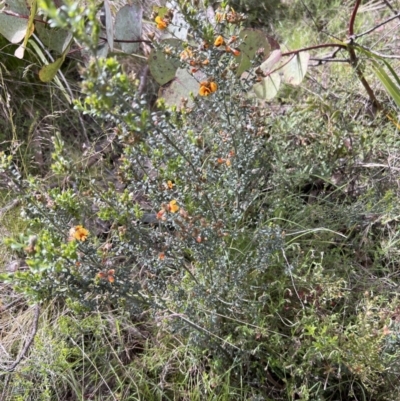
(48, 72)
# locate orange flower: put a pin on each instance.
(107, 276)
(219, 41)
(161, 256)
(161, 24)
(160, 215)
(170, 184)
(206, 88)
(173, 207)
(235, 52)
(206, 62)
(228, 162)
(204, 91)
(78, 232)
(213, 87)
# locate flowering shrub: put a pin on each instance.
(182, 226)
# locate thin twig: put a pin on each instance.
(304, 49)
(390, 6)
(359, 35)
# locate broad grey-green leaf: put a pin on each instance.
(128, 26)
(109, 25)
(268, 87)
(161, 66)
(178, 28)
(270, 63)
(254, 40)
(295, 70)
(13, 28)
(181, 87)
(53, 38)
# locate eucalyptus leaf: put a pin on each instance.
(295, 70)
(109, 25)
(268, 87)
(181, 87)
(161, 66)
(254, 40)
(270, 63)
(13, 28)
(128, 26)
(53, 38)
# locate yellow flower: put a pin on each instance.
(173, 207)
(170, 184)
(219, 41)
(79, 232)
(161, 24)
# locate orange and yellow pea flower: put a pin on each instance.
(161, 23)
(173, 206)
(219, 41)
(206, 88)
(79, 233)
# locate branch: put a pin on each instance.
(129, 41)
(354, 60)
(353, 18)
(304, 49)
